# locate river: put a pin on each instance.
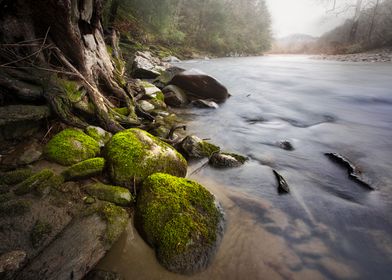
(328, 227)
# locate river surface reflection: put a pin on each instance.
(328, 227)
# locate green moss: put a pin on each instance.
(45, 187)
(4, 189)
(208, 149)
(72, 90)
(40, 233)
(238, 157)
(71, 146)
(84, 169)
(122, 111)
(177, 215)
(116, 219)
(134, 154)
(15, 208)
(117, 195)
(33, 182)
(15, 176)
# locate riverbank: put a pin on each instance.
(378, 55)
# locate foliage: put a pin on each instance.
(218, 26)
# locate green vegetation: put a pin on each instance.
(117, 195)
(34, 182)
(134, 154)
(217, 26)
(116, 219)
(15, 176)
(40, 233)
(84, 169)
(98, 134)
(178, 217)
(71, 146)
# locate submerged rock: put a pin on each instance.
(134, 154)
(84, 169)
(194, 147)
(71, 146)
(286, 145)
(180, 219)
(199, 103)
(353, 172)
(226, 160)
(283, 187)
(117, 195)
(200, 86)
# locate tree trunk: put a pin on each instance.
(63, 39)
(354, 27)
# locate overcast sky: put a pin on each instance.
(300, 16)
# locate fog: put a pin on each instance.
(301, 16)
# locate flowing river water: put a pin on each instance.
(328, 227)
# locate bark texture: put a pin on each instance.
(47, 41)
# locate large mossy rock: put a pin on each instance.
(180, 219)
(84, 169)
(132, 155)
(71, 146)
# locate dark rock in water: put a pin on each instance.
(194, 147)
(200, 86)
(181, 220)
(205, 104)
(353, 172)
(286, 145)
(283, 187)
(226, 160)
(174, 96)
(145, 66)
(102, 275)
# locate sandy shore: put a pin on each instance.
(380, 55)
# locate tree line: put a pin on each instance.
(217, 26)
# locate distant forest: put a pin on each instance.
(370, 27)
(221, 27)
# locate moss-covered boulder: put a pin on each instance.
(40, 183)
(180, 219)
(71, 146)
(84, 169)
(118, 195)
(133, 155)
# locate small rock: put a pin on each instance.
(283, 187)
(175, 96)
(11, 261)
(117, 195)
(171, 59)
(145, 66)
(205, 104)
(84, 169)
(194, 147)
(286, 145)
(146, 106)
(24, 154)
(226, 160)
